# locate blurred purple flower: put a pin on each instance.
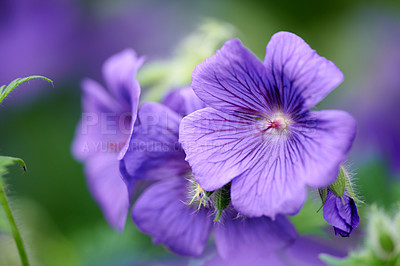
(341, 213)
(259, 133)
(104, 132)
(61, 39)
(38, 37)
(380, 89)
(163, 210)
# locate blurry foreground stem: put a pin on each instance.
(6, 161)
(14, 229)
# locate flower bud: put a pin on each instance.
(382, 236)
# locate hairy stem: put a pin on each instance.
(14, 229)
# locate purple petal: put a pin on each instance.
(92, 134)
(183, 101)
(254, 237)
(298, 73)
(96, 99)
(131, 116)
(243, 259)
(327, 138)
(270, 188)
(161, 212)
(306, 250)
(154, 151)
(232, 80)
(217, 146)
(108, 188)
(119, 72)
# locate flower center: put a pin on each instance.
(278, 123)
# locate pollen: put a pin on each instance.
(198, 195)
(199, 192)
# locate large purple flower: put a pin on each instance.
(259, 133)
(164, 210)
(104, 132)
(341, 213)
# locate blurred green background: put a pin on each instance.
(61, 222)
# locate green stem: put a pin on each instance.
(14, 228)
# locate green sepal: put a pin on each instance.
(339, 185)
(208, 193)
(349, 188)
(222, 198)
(4, 91)
(323, 193)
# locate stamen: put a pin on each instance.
(198, 194)
(277, 124)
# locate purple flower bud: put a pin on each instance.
(341, 213)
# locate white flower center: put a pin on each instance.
(277, 124)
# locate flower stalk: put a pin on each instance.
(14, 229)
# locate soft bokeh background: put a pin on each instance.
(69, 40)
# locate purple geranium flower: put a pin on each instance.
(164, 210)
(341, 213)
(104, 132)
(259, 133)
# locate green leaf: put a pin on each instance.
(338, 186)
(4, 91)
(7, 161)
